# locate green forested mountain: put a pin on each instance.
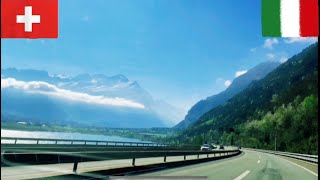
(238, 84)
(284, 103)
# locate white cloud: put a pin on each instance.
(61, 76)
(270, 56)
(239, 73)
(301, 40)
(283, 59)
(39, 87)
(94, 81)
(253, 49)
(268, 43)
(227, 83)
(218, 80)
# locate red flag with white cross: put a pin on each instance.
(29, 18)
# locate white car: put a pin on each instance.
(205, 147)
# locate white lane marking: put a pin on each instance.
(258, 161)
(301, 167)
(242, 175)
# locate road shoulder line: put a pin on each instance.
(300, 166)
(242, 175)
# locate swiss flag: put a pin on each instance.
(29, 18)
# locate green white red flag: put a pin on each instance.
(290, 18)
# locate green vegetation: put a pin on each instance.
(294, 127)
(284, 103)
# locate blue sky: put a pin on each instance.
(179, 50)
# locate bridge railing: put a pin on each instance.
(16, 140)
(304, 157)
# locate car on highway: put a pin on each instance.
(205, 147)
(221, 147)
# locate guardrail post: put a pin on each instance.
(56, 142)
(2, 155)
(123, 144)
(165, 159)
(133, 161)
(198, 156)
(106, 143)
(214, 155)
(185, 157)
(15, 141)
(37, 141)
(36, 157)
(207, 155)
(75, 166)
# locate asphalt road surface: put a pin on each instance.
(250, 165)
(48, 170)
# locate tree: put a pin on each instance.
(232, 143)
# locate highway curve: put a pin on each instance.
(250, 165)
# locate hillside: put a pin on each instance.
(256, 73)
(286, 100)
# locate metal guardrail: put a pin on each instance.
(297, 154)
(33, 142)
(304, 157)
(77, 157)
(42, 141)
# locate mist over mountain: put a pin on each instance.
(91, 100)
(238, 84)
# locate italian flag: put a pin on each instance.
(290, 18)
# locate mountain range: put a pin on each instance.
(83, 100)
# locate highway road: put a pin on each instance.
(48, 170)
(251, 165)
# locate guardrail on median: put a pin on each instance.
(304, 157)
(14, 158)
